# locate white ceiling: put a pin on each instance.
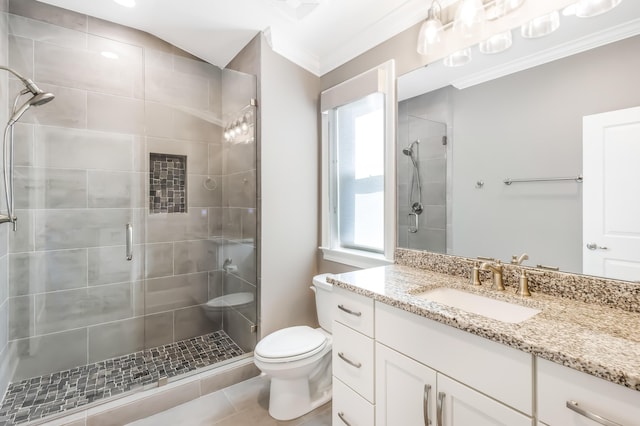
(216, 30)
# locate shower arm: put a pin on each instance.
(29, 84)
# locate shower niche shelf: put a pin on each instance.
(167, 183)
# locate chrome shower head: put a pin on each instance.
(38, 99)
(409, 150)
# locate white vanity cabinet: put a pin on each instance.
(498, 371)
(560, 386)
(353, 359)
(409, 393)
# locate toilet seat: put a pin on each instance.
(290, 344)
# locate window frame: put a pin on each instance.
(380, 79)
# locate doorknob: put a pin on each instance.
(594, 246)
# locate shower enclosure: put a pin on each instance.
(422, 182)
(134, 258)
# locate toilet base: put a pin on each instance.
(290, 399)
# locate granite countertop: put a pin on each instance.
(598, 340)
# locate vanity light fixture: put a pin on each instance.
(541, 26)
(469, 18)
(126, 3)
(589, 8)
(431, 28)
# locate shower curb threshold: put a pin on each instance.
(139, 404)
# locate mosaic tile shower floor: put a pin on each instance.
(42, 396)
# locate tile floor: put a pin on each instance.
(244, 404)
(38, 397)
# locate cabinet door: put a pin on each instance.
(405, 390)
(559, 385)
(463, 406)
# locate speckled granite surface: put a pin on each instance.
(592, 338)
(614, 293)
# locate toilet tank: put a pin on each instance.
(323, 291)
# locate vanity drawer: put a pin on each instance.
(353, 361)
(558, 384)
(350, 408)
(353, 310)
(496, 370)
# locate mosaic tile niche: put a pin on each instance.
(167, 183)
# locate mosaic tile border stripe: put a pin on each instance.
(38, 397)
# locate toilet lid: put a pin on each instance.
(291, 342)
(231, 299)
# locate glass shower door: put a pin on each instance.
(75, 296)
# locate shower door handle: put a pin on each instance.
(129, 240)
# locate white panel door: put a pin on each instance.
(611, 199)
(405, 390)
(463, 406)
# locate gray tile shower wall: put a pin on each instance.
(82, 174)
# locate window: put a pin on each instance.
(358, 169)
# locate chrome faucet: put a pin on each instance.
(496, 268)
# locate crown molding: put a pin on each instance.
(402, 18)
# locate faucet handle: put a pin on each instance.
(475, 273)
(517, 260)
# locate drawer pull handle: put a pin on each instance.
(573, 405)
(341, 415)
(441, 396)
(425, 405)
(349, 311)
(348, 361)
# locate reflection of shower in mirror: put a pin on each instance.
(416, 187)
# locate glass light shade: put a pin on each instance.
(469, 17)
(502, 7)
(458, 59)
(496, 43)
(589, 8)
(541, 26)
(429, 35)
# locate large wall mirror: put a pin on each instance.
(520, 115)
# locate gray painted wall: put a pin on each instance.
(289, 156)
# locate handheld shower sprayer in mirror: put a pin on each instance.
(416, 186)
(38, 97)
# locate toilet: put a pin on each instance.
(298, 361)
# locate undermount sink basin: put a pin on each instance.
(480, 305)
